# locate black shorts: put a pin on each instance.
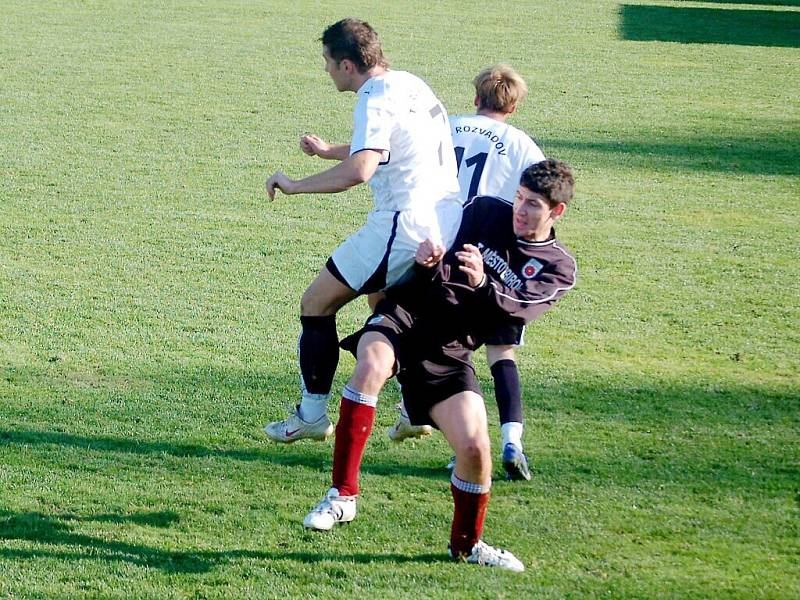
(428, 370)
(505, 333)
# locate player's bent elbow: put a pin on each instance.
(363, 165)
(361, 175)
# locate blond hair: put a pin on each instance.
(499, 88)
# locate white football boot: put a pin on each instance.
(332, 510)
(488, 556)
(294, 428)
(403, 429)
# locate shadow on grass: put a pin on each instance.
(59, 531)
(766, 2)
(312, 455)
(745, 27)
(705, 436)
(768, 154)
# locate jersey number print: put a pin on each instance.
(478, 161)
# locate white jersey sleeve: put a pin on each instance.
(491, 156)
(399, 115)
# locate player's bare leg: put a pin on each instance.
(325, 296)
(375, 364)
(374, 298)
(318, 353)
(508, 395)
(462, 420)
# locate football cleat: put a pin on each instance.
(488, 556)
(452, 464)
(294, 428)
(515, 463)
(403, 429)
(332, 510)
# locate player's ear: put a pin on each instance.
(558, 210)
(512, 108)
(477, 101)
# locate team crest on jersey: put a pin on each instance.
(531, 268)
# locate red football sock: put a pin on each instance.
(352, 431)
(469, 513)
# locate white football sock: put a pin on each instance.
(313, 406)
(512, 434)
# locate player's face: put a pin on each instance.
(533, 216)
(336, 70)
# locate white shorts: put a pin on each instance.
(381, 253)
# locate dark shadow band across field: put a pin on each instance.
(764, 154)
(723, 438)
(744, 27)
(58, 530)
(765, 2)
(693, 441)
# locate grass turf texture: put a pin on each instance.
(149, 292)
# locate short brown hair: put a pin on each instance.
(499, 88)
(356, 41)
(552, 179)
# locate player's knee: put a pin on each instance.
(475, 452)
(315, 304)
(372, 370)
(308, 305)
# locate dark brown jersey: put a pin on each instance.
(524, 279)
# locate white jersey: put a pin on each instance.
(491, 156)
(399, 115)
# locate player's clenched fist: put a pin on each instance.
(314, 145)
(429, 253)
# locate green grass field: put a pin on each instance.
(149, 292)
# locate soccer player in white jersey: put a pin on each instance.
(401, 144)
(491, 156)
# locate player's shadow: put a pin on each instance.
(59, 531)
(690, 25)
(314, 456)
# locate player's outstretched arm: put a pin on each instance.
(313, 145)
(356, 169)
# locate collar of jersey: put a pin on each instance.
(550, 239)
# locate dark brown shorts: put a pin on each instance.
(508, 332)
(429, 372)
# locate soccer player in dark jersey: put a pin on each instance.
(491, 155)
(504, 267)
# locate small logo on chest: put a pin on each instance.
(531, 268)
